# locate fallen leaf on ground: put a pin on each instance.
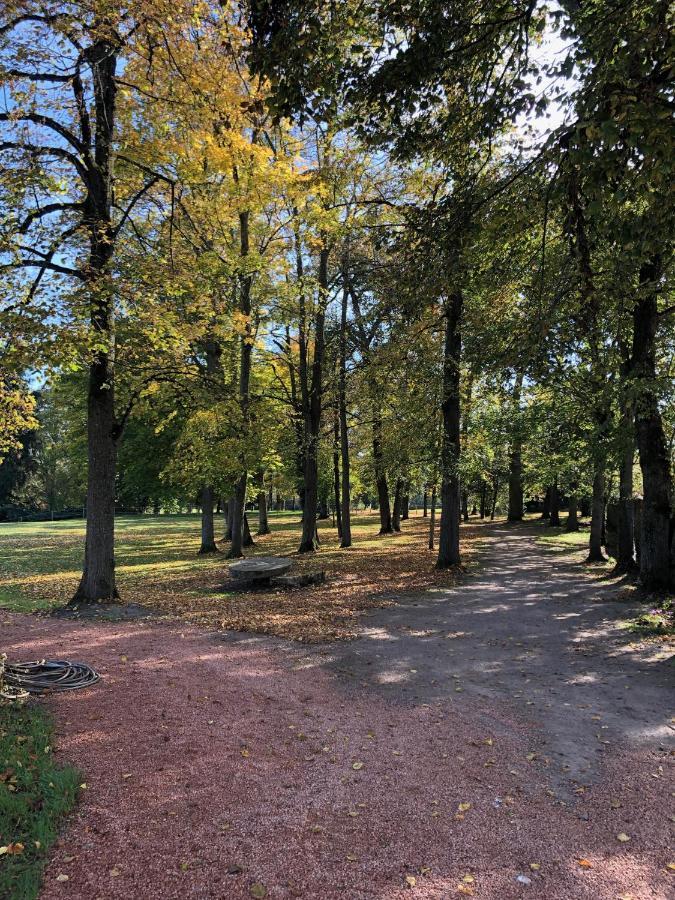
(357, 766)
(623, 837)
(410, 880)
(258, 890)
(585, 863)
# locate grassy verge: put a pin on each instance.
(35, 794)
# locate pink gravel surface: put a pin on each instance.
(217, 770)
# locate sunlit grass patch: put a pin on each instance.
(158, 566)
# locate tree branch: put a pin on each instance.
(47, 122)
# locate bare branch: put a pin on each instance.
(59, 152)
(134, 200)
(36, 76)
(46, 210)
(47, 122)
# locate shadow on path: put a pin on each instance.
(532, 628)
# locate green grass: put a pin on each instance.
(35, 794)
(40, 562)
(573, 539)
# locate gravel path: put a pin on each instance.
(452, 750)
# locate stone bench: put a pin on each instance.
(260, 569)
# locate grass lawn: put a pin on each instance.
(575, 540)
(158, 566)
(34, 795)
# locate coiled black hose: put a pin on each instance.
(48, 675)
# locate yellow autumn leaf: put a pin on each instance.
(585, 863)
(410, 880)
(623, 837)
(463, 807)
(357, 766)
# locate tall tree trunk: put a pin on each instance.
(432, 519)
(448, 540)
(516, 510)
(103, 430)
(657, 509)
(555, 504)
(246, 536)
(246, 351)
(546, 511)
(263, 524)
(595, 553)
(465, 505)
(346, 521)
(336, 470)
(572, 523)
(313, 409)
(625, 537)
(380, 476)
(228, 507)
(208, 536)
(483, 499)
(396, 514)
(495, 494)
(98, 577)
(425, 501)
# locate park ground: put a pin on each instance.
(509, 735)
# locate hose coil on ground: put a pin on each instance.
(17, 680)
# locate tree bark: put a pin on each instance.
(336, 470)
(448, 540)
(208, 536)
(313, 408)
(625, 538)
(381, 477)
(432, 519)
(516, 511)
(555, 505)
(495, 494)
(396, 513)
(465, 506)
(246, 537)
(246, 352)
(103, 430)
(657, 509)
(263, 523)
(572, 523)
(425, 501)
(546, 511)
(346, 521)
(595, 553)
